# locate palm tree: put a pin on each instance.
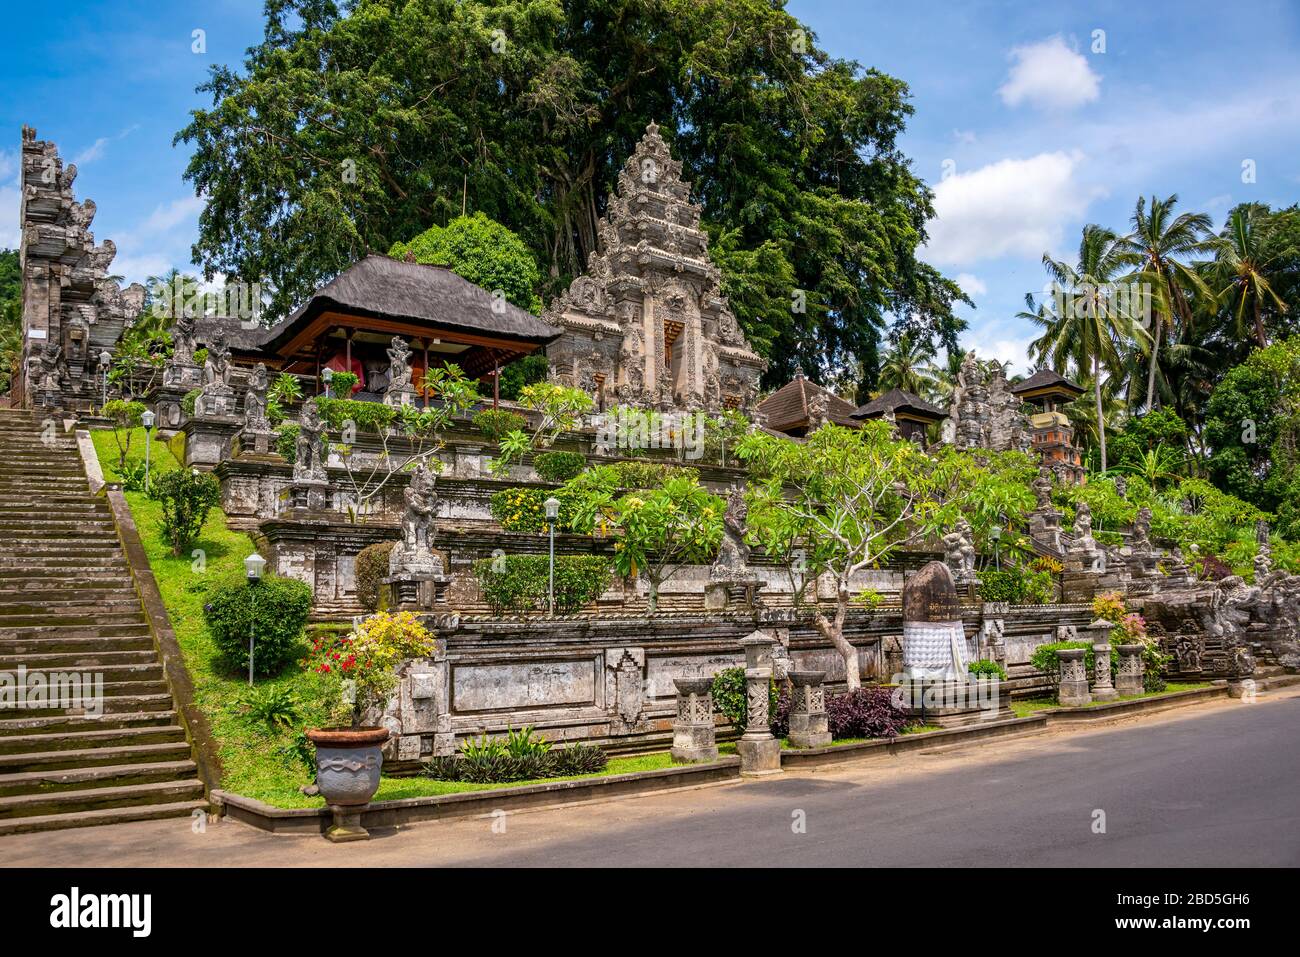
(1090, 326)
(1242, 266)
(908, 364)
(1156, 249)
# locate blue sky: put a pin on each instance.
(1023, 130)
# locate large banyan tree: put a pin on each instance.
(353, 126)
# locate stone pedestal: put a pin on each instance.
(732, 595)
(760, 752)
(1072, 692)
(259, 443)
(1045, 528)
(311, 495)
(1129, 680)
(1102, 687)
(401, 396)
(167, 402)
(346, 825)
(208, 439)
(1242, 689)
(808, 724)
(693, 734)
(416, 591)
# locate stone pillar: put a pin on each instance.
(1129, 680)
(693, 735)
(808, 725)
(760, 753)
(1073, 689)
(1102, 687)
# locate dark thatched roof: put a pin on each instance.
(899, 400)
(385, 288)
(786, 409)
(1045, 378)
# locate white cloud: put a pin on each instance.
(96, 149)
(1011, 207)
(971, 285)
(993, 340)
(168, 216)
(1049, 75)
(160, 242)
(965, 137)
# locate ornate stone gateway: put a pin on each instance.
(648, 324)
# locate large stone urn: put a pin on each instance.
(348, 761)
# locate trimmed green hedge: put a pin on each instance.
(1016, 585)
(559, 466)
(494, 423)
(274, 610)
(518, 583)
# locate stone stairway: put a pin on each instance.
(68, 606)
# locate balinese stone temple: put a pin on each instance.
(72, 311)
(647, 325)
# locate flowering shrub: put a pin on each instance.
(359, 667)
(865, 713)
(523, 509)
(519, 583)
(1108, 606)
(559, 466)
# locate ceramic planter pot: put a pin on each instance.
(348, 761)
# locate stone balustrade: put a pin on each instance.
(808, 722)
(694, 738)
(1129, 679)
(1072, 691)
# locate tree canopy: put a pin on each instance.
(353, 127)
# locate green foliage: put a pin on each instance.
(1045, 657)
(518, 583)
(495, 423)
(560, 409)
(484, 252)
(188, 401)
(371, 567)
(728, 693)
(286, 441)
(273, 612)
(519, 757)
(987, 668)
(186, 496)
(365, 416)
(1016, 584)
(1142, 433)
(284, 392)
(661, 529)
(125, 416)
(274, 705)
(522, 508)
(341, 384)
(559, 466)
(793, 153)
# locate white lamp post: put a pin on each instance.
(253, 566)
(328, 376)
(995, 533)
(147, 419)
(552, 513)
(105, 358)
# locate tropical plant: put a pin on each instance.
(907, 365)
(126, 417)
(185, 496)
(519, 583)
(729, 696)
(1245, 259)
(865, 713)
(1158, 249)
(271, 613)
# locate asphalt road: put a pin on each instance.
(1217, 785)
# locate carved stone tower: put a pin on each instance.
(647, 324)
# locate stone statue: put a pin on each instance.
(1264, 552)
(1121, 486)
(959, 552)
(414, 554)
(309, 465)
(400, 390)
(732, 562)
(1042, 487)
(183, 341)
(1085, 548)
(255, 420)
(818, 410)
(216, 397)
(1142, 558)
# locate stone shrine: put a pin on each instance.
(647, 325)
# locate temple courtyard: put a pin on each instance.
(1212, 785)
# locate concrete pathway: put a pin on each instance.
(1217, 784)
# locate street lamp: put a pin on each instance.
(105, 358)
(995, 535)
(253, 566)
(552, 513)
(328, 376)
(146, 419)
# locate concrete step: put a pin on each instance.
(59, 661)
(47, 737)
(120, 704)
(116, 754)
(94, 799)
(68, 608)
(57, 780)
(117, 815)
